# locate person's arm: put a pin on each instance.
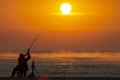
(28, 54)
(28, 51)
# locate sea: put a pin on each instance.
(65, 63)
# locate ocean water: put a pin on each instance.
(66, 64)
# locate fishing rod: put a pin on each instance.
(33, 42)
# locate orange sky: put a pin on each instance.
(95, 26)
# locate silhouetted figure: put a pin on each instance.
(22, 66)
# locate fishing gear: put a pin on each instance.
(34, 70)
(33, 41)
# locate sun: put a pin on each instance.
(66, 8)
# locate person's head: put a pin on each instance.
(21, 55)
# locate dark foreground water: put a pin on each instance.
(62, 65)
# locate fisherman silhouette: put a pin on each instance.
(22, 66)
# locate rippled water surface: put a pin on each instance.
(62, 65)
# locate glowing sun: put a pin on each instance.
(66, 8)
